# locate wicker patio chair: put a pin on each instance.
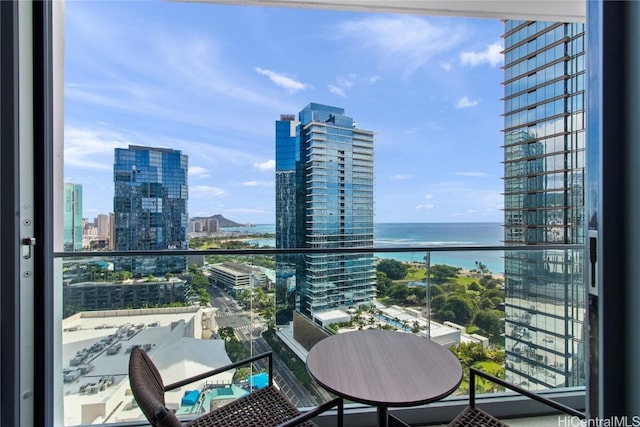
(265, 407)
(473, 416)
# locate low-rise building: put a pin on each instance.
(89, 296)
(95, 357)
(235, 277)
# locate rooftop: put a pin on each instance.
(95, 358)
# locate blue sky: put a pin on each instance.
(211, 80)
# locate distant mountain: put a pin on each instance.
(222, 221)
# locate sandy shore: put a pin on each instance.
(463, 271)
(468, 273)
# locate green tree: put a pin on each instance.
(462, 307)
(446, 315)
(480, 268)
(469, 353)
(395, 270)
(454, 288)
(241, 373)
(474, 286)
(383, 283)
(486, 303)
(416, 327)
(227, 333)
(236, 350)
(440, 273)
(489, 321)
(399, 292)
(199, 281)
(435, 290)
(490, 282)
(438, 302)
(492, 298)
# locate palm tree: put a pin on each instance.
(416, 327)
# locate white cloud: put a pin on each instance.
(465, 102)
(472, 210)
(268, 166)
(284, 81)
(425, 206)
(491, 55)
(258, 183)
(337, 90)
(343, 84)
(446, 66)
(428, 196)
(187, 66)
(407, 41)
(374, 79)
(202, 191)
(198, 172)
(203, 70)
(400, 177)
(472, 174)
(347, 82)
(88, 149)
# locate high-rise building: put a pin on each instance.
(544, 155)
(112, 226)
(324, 200)
(102, 224)
(150, 207)
(73, 225)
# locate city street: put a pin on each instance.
(229, 314)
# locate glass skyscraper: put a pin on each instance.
(544, 149)
(150, 207)
(72, 240)
(324, 200)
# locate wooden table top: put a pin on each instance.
(384, 368)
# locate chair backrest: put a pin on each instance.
(148, 390)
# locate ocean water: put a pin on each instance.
(392, 235)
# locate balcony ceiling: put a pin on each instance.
(540, 10)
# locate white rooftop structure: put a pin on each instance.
(97, 389)
(442, 334)
(329, 317)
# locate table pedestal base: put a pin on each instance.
(383, 416)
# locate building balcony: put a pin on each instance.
(260, 318)
(36, 329)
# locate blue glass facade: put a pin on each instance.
(72, 239)
(288, 179)
(150, 207)
(544, 150)
(324, 199)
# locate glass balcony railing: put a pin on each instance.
(517, 312)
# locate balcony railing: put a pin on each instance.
(515, 311)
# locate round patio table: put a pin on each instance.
(384, 369)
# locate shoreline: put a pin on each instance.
(468, 273)
(463, 271)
